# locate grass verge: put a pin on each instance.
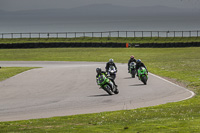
(103, 39)
(180, 64)
(7, 72)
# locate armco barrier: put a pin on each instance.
(75, 44)
(59, 45)
(167, 45)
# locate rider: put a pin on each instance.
(100, 72)
(110, 63)
(140, 64)
(132, 59)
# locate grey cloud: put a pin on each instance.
(12, 5)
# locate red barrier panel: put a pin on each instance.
(127, 45)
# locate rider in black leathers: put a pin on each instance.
(99, 72)
(140, 64)
(110, 63)
(132, 59)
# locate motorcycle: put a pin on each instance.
(132, 69)
(107, 85)
(143, 75)
(112, 72)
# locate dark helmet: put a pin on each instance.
(138, 61)
(98, 70)
(132, 57)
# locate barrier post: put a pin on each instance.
(127, 45)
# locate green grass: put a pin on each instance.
(104, 39)
(7, 72)
(181, 64)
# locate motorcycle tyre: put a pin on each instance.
(116, 91)
(113, 76)
(133, 74)
(144, 79)
(108, 90)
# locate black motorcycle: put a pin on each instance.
(132, 69)
(112, 72)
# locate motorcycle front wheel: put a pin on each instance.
(144, 80)
(113, 76)
(116, 91)
(133, 73)
(107, 89)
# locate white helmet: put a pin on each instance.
(111, 60)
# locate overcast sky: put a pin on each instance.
(14, 5)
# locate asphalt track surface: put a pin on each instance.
(69, 88)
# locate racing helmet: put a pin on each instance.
(138, 61)
(132, 57)
(98, 70)
(111, 60)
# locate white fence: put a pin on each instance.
(102, 34)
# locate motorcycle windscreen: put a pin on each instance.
(132, 64)
(112, 69)
(142, 70)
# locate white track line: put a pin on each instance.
(192, 93)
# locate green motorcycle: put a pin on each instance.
(143, 75)
(107, 85)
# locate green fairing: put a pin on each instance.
(102, 80)
(142, 72)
